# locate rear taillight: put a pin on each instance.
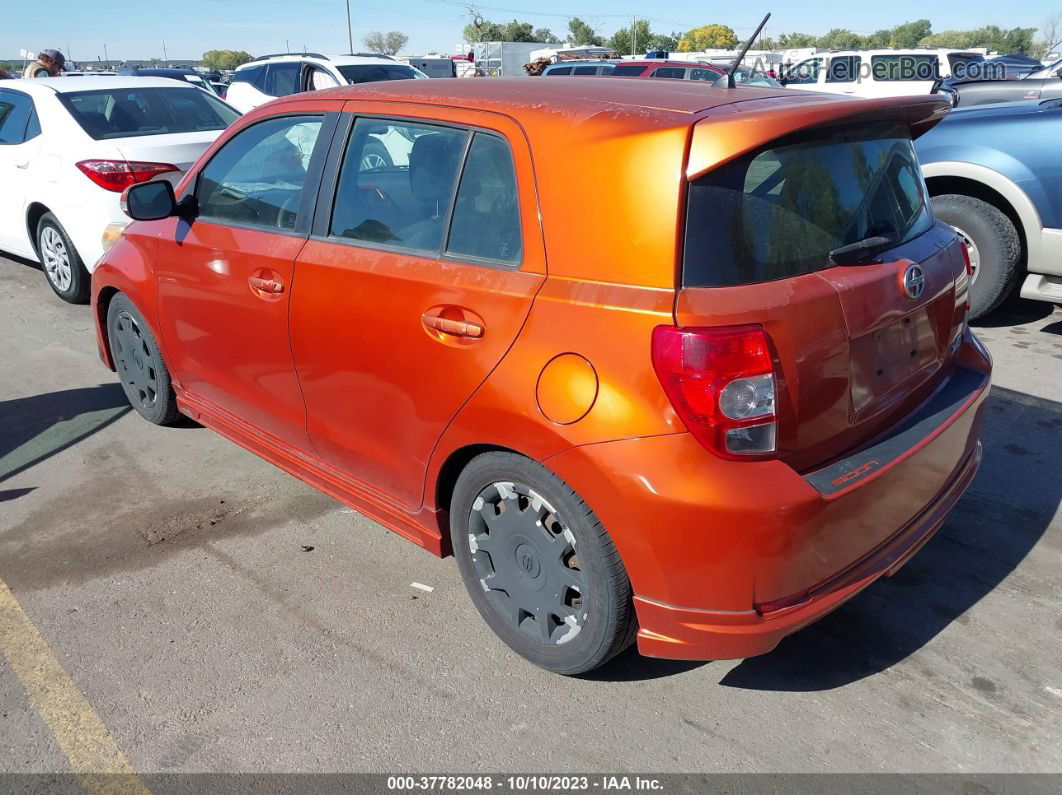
(117, 175)
(721, 382)
(966, 257)
(969, 273)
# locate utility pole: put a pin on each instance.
(287, 46)
(634, 36)
(106, 57)
(350, 37)
(165, 57)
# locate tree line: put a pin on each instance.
(639, 37)
(635, 38)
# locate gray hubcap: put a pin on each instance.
(527, 562)
(136, 365)
(56, 258)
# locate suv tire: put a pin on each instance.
(996, 247)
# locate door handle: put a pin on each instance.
(455, 328)
(271, 286)
(22, 164)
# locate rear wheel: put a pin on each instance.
(992, 243)
(136, 356)
(539, 566)
(62, 265)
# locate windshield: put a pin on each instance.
(125, 113)
(370, 73)
(779, 211)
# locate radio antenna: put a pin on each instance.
(730, 83)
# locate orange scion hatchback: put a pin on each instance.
(701, 413)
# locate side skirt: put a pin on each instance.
(423, 528)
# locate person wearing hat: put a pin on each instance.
(48, 64)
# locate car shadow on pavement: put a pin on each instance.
(39, 426)
(1014, 311)
(1000, 519)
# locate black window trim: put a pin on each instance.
(326, 196)
(32, 114)
(308, 198)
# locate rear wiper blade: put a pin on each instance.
(860, 250)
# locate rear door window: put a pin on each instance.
(397, 183)
(704, 74)
(896, 68)
(628, 71)
(16, 112)
(779, 211)
(585, 70)
(282, 79)
(486, 217)
(672, 72)
(843, 69)
(560, 70)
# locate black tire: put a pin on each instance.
(143, 373)
(997, 244)
(62, 265)
(374, 155)
(517, 526)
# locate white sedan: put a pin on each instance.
(69, 147)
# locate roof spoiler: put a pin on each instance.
(729, 131)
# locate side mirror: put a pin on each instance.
(149, 201)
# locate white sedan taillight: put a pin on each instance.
(117, 175)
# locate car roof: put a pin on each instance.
(574, 98)
(583, 62)
(338, 60)
(663, 62)
(59, 85)
(911, 51)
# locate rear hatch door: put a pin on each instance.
(825, 238)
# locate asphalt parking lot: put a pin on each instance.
(212, 613)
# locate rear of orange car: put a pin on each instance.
(800, 386)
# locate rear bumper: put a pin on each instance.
(727, 558)
(692, 634)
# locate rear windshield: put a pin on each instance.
(627, 71)
(129, 112)
(370, 73)
(780, 210)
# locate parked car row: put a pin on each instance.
(1042, 83)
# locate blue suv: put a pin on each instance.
(994, 173)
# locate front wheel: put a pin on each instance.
(143, 374)
(63, 268)
(539, 565)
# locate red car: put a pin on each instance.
(701, 414)
(673, 70)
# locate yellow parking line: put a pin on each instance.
(66, 712)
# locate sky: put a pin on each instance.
(140, 30)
